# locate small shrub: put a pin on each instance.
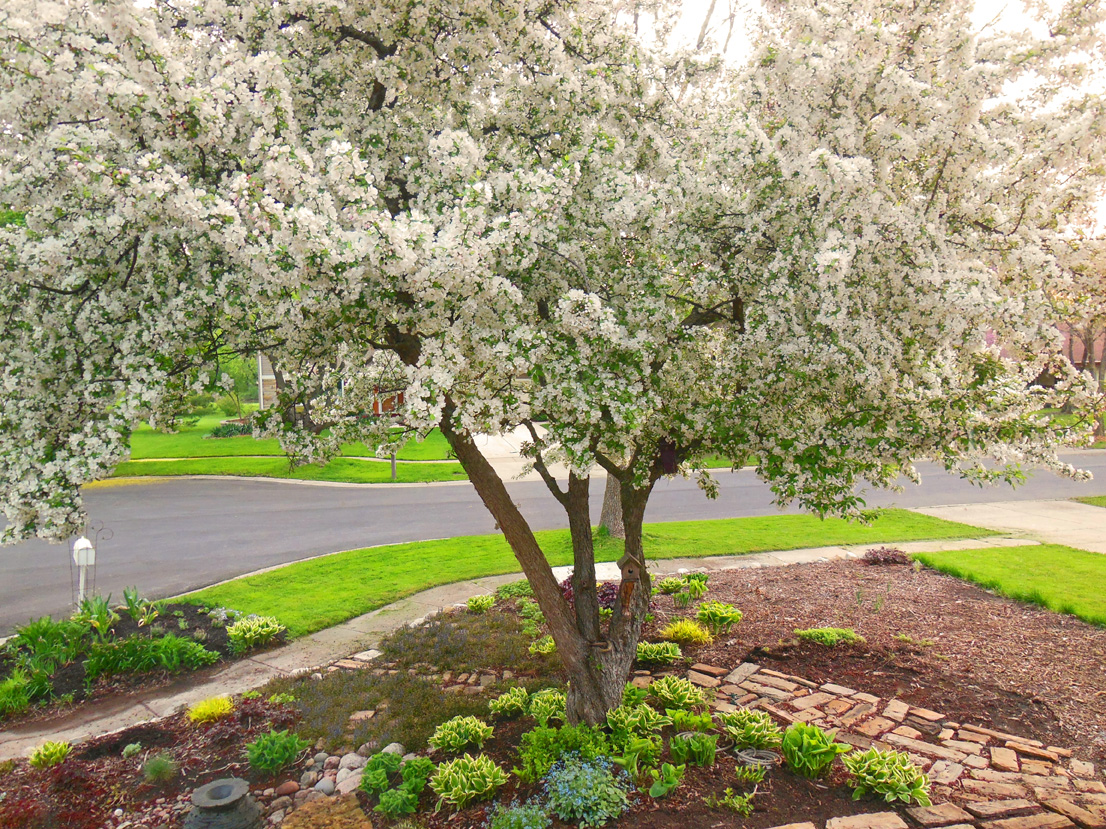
(686, 632)
(540, 748)
(658, 653)
(519, 816)
(697, 749)
(719, 617)
(676, 692)
(665, 779)
(209, 710)
(281, 699)
(480, 604)
(131, 750)
(466, 779)
(742, 804)
(159, 770)
(274, 751)
(586, 792)
(376, 776)
(511, 703)
(750, 729)
(230, 429)
(891, 775)
(808, 750)
(885, 555)
(49, 754)
(546, 705)
(459, 732)
(416, 772)
(830, 637)
(15, 698)
(514, 590)
(750, 774)
(545, 645)
(395, 803)
(250, 633)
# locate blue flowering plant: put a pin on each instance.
(587, 792)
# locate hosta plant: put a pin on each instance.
(210, 710)
(808, 750)
(665, 779)
(547, 705)
(658, 653)
(466, 779)
(890, 775)
(49, 754)
(689, 720)
(719, 617)
(253, 632)
(545, 645)
(511, 703)
(480, 604)
(686, 632)
(676, 692)
(638, 753)
(640, 720)
(459, 732)
(671, 584)
(750, 729)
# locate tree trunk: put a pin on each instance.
(610, 518)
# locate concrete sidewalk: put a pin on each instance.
(1051, 522)
(364, 632)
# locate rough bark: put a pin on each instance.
(610, 518)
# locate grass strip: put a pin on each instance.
(322, 592)
(193, 442)
(342, 470)
(1093, 500)
(1062, 579)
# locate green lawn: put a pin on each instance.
(1093, 500)
(343, 470)
(1062, 579)
(322, 592)
(191, 442)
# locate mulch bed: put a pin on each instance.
(993, 661)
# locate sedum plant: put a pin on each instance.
(49, 754)
(511, 703)
(830, 637)
(890, 775)
(466, 779)
(209, 710)
(686, 632)
(719, 617)
(274, 751)
(808, 750)
(658, 653)
(460, 732)
(750, 729)
(676, 692)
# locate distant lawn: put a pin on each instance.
(322, 592)
(342, 470)
(192, 442)
(1062, 579)
(1093, 500)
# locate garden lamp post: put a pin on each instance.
(84, 556)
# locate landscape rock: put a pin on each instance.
(943, 814)
(288, 788)
(877, 820)
(326, 786)
(394, 748)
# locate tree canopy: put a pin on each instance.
(830, 261)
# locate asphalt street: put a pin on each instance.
(174, 535)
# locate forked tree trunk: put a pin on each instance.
(597, 665)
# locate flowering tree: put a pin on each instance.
(520, 216)
(1079, 300)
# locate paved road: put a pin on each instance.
(174, 535)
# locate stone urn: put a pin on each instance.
(224, 804)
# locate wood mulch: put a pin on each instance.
(932, 640)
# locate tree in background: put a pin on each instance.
(1079, 299)
(518, 214)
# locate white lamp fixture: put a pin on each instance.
(84, 556)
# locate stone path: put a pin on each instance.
(324, 647)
